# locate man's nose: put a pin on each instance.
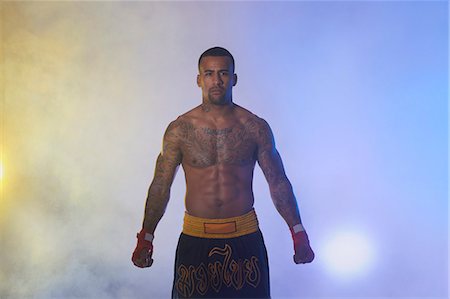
(218, 80)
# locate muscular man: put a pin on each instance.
(221, 252)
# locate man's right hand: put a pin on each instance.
(142, 255)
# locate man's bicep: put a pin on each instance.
(165, 169)
(268, 157)
(172, 143)
(272, 166)
(170, 157)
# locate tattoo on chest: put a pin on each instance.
(203, 146)
(217, 132)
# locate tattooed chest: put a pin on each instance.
(203, 147)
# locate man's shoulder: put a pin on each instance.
(184, 121)
(250, 119)
(189, 116)
(194, 116)
(247, 116)
(179, 123)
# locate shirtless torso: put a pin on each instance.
(218, 144)
(218, 158)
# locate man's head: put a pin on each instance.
(216, 51)
(216, 76)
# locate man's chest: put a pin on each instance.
(204, 146)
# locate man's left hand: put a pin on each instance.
(303, 252)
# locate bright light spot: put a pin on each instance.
(348, 254)
(1, 170)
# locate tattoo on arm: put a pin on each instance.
(272, 166)
(166, 166)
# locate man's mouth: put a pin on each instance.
(216, 90)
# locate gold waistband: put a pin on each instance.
(220, 228)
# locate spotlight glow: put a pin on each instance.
(348, 254)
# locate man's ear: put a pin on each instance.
(234, 79)
(198, 80)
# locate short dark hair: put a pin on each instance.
(216, 51)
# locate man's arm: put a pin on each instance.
(158, 194)
(280, 188)
(281, 191)
(166, 167)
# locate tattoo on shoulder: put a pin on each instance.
(262, 132)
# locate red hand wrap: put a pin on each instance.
(142, 244)
(300, 238)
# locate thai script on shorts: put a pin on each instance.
(225, 272)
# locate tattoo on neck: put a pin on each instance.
(206, 107)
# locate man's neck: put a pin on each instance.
(217, 110)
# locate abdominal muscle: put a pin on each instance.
(219, 191)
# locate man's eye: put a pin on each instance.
(224, 73)
(207, 74)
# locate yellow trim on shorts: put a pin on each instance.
(220, 228)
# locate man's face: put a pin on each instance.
(216, 79)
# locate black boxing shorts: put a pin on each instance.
(221, 258)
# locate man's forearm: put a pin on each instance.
(283, 197)
(157, 199)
